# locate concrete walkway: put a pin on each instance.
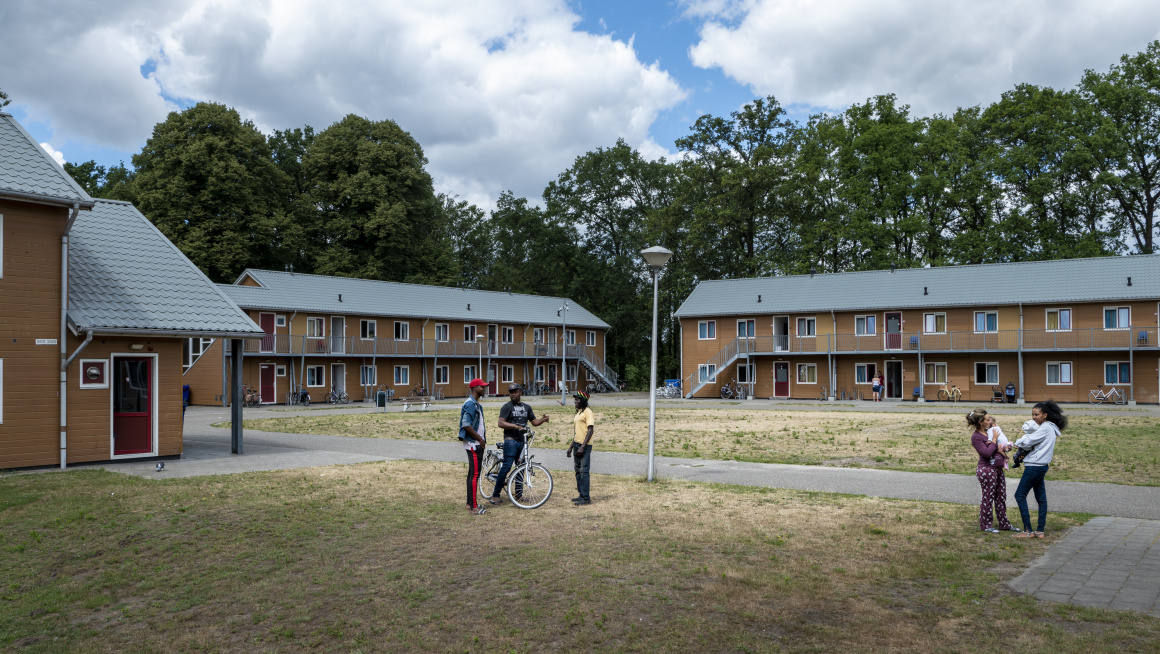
(1106, 563)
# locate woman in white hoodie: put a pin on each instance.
(1051, 422)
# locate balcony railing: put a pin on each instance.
(355, 346)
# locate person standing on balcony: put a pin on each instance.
(514, 417)
(472, 433)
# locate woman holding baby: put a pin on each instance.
(992, 446)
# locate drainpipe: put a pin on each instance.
(524, 354)
(423, 351)
(82, 346)
(289, 347)
(830, 347)
(1020, 353)
(64, 360)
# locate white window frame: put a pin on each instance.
(975, 373)
(203, 344)
(975, 325)
(570, 339)
(571, 373)
(871, 370)
(279, 321)
(469, 373)
(707, 372)
(507, 374)
(747, 329)
(402, 330)
(1059, 311)
(746, 373)
(869, 325)
(1119, 364)
(321, 379)
(321, 324)
(537, 334)
(280, 370)
(1119, 326)
(540, 374)
(709, 331)
(470, 329)
(933, 318)
(366, 379)
(84, 363)
(937, 365)
(368, 334)
(444, 373)
(811, 326)
(808, 368)
(1060, 365)
(403, 379)
(507, 335)
(445, 328)
(590, 338)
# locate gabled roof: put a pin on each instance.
(125, 276)
(1062, 281)
(282, 291)
(28, 173)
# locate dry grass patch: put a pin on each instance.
(1114, 448)
(381, 557)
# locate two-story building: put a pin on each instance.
(358, 335)
(95, 305)
(1054, 329)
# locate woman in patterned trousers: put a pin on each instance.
(989, 472)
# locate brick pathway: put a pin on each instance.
(1106, 563)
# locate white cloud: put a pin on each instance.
(934, 56)
(501, 95)
(54, 153)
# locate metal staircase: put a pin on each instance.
(596, 365)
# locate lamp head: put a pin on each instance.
(656, 257)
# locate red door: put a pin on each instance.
(267, 383)
(781, 379)
(552, 378)
(492, 383)
(894, 331)
(266, 322)
(132, 406)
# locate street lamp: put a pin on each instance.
(656, 257)
(479, 338)
(563, 313)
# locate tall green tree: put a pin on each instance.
(1127, 98)
(206, 179)
(111, 183)
(377, 214)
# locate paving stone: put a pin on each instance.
(1063, 598)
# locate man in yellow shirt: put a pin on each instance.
(582, 446)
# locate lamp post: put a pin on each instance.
(656, 257)
(563, 313)
(479, 339)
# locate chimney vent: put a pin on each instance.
(924, 292)
(1129, 281)
(759, 299)
(892, 268)
(340, 297)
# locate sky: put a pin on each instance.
(505, 95)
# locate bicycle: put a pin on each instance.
(298, 396)
(251, 397)
(529, 484)
(419, 391)
(337, 397)
(1099, 396)
(823, 397)
(950, 393)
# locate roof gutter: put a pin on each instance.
(64, 360)
(47, 199)
(163, 333)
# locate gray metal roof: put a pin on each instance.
(1029, 282)
(27, 172)
(284, 291)
(124, 275)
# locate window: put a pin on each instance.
(746, 373)
(864, 373)
(314, 376)
(1117, 317)
(442, 332)
(367, 376)
(806, 326)
(746, 328)
(935, 373)
(280, 321)
(1058, 372)
(571, 373)
(94, 373)
(314, 327)
(507, 335)
(934, 323)
(864, 325)
(192, 348)
(707, 371)
(807, 373)
(552, 335)
(570, 337)
(539, 373)
(507, 374)
(707, 330)
(590, 339)
(987, 373)
(469, 335)
(538, 335)
(1117, 372)
(986, 321)
(402, 331)
(1059, 320)
(469, 373)
(367, 329)
(279, 371)
(402, 375)
(442, 374)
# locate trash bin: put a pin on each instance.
(184, 398)
(381, 399)
(1010, 392)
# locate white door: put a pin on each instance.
(338, 376)
(337, 334)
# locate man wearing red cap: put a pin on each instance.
(472, 432)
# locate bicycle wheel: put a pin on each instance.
(1118, 397)
(489, 474)
(1094, 398)
(530, 486)
(306, 400)
(344, 398)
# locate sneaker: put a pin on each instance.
(1013, 528)
(991, 530)
(581, 502)
(1039, 534)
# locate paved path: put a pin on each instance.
(1106, 563)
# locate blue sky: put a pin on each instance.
(504, 95)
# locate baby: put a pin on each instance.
(995, 432)
(1029, 428)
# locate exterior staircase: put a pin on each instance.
(596, 365)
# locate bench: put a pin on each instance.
(410, 401)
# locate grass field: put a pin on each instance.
(1112, 448)
(381, 557)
